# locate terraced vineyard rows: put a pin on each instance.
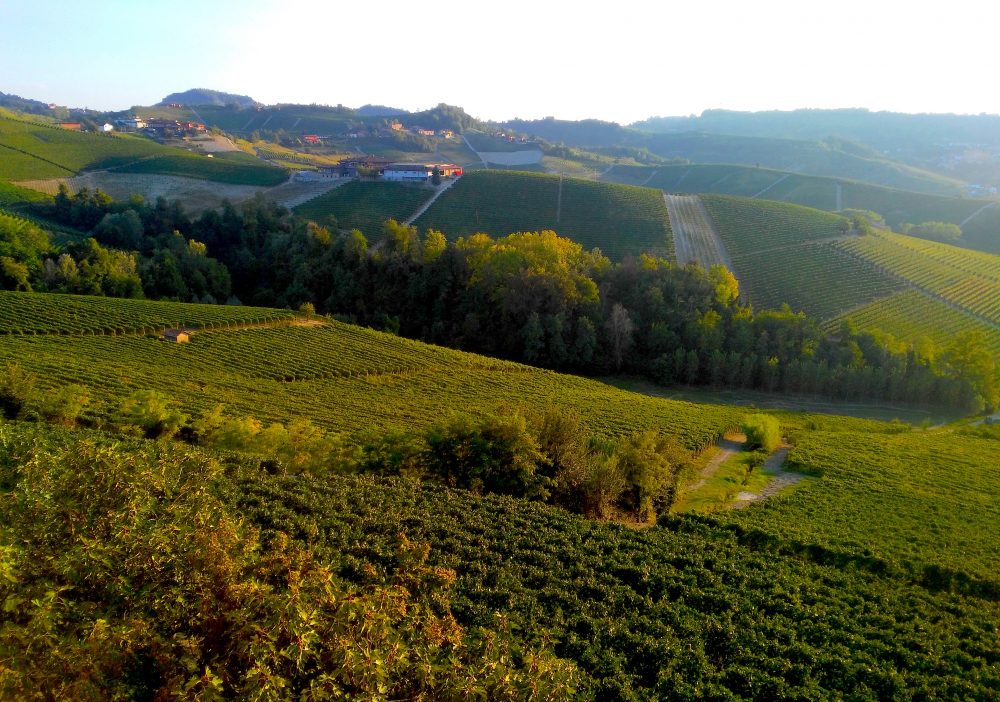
(365, 205)
(232, 167)
(814, 278)
(912, 315)
(751, 226)
(620, 220)
(969, 279)
(43, 313)
(345, 379)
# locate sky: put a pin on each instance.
(619, 61)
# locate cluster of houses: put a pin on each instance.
(158, 127)
(376, 167)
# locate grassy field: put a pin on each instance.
(620, 220)
(365, 205)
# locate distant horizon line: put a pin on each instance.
(622, 123)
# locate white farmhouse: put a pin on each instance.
(408, 171)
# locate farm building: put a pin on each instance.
(178, 336)
(408, 171)
(131, 124)
(448, 170)
(72, 126)
(107, 127)
(311, 139)
(353, 167)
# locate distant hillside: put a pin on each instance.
(910, 287)
(380, 111)
(38, 151)
(204, 96)
(835, 157)
(980, 219)
(621, 220)
(962, 146)
(25, 105)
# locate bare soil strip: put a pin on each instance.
(781, 480)
(732, 444)
(782, 179)
(695, 237)
(438, 192)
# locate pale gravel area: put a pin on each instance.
(511, 158)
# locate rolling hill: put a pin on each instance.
(38, 151)
(620, 220)
(787, 253)
(828, 157)
(365, 205)
(877, 577)
(980, 219)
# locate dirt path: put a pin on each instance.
(294, 192)
(695, 237)
(781, 480)
(976, 214)
(732, 444)
(438, 192)
(780, 180)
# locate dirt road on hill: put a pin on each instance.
(695, 237)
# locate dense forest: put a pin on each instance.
(533, 297)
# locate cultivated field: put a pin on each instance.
(695, 238)
(620, 220)
(365, 205)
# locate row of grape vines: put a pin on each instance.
(620, 220)
(694, 237)
(365, 205)
(749, 226)
(46, 313)
(690, 611)
(966, 278)
(913, 315)
(814, 278)
(365, 380)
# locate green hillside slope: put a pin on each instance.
(620, 220)
(343, 377)
(365, 205)
(980, 219)
(36, 151)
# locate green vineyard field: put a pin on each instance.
(752, 226)
(43, 313)
(620, 220)
(813, 278)
(365, 205)
(912, 315)
(969, 279)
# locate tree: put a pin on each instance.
(762, 431)
(150, 411)
(620, 331)
(534, 339)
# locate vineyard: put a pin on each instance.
(342, 377)
(692, 610)
(968, 279)
(930, 493)
(895, 206)
(234, 167)
(365, 205)
(620, 220)
(12, 196)
(814, 278)
(751, 226)
(913, 315)
(695, 239)
(33, 151)
(43, 313)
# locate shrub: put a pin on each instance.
(762, 431)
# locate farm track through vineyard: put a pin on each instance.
(695, 236)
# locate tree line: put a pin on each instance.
(533, 297)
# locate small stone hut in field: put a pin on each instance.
(178, 336)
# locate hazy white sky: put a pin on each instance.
(622, 61)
